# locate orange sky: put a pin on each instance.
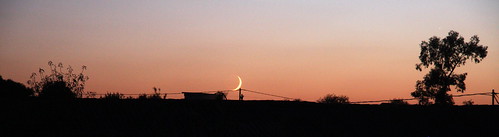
(362, 49)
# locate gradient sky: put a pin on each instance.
(302, 49)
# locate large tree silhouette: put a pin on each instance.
(443, 56)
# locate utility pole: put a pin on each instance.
(493, 96)
(240, 95)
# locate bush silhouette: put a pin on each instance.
(61, 82)
(468, 102)
(56, 90)
(334, 99)
(155, 95)
(398, 102)
(113, 96)
(142, 96)
(10, 89)
(221, 95)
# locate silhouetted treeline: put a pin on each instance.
(14, 90)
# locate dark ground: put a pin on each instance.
(92, 117)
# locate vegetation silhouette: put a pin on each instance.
(443, 56)
(60, 83)
(398, 102)
(90, 94)
(10, 89)
(115, 115)
(56, 90)
(113, 96)
(221, 95)
(142, 96)
(334, 99)
(156, 95)
(468, 102)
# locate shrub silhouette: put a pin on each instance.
(221, 95)
(142, 96)
(56, 90)
(468, 102)
(10, 89)
(398, 102)
(334, 99)
(155, 95)
(114, 96)
(90, 94)
(60, 80)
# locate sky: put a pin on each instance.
(366, 50)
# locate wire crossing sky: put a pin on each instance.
(366, 50)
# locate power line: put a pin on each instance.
(209, 91)
(472, 94)
(372, 101)
(267, 94)
(461, 95)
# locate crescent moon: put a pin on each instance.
(240, 83)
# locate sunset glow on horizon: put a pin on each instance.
(366, 50)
